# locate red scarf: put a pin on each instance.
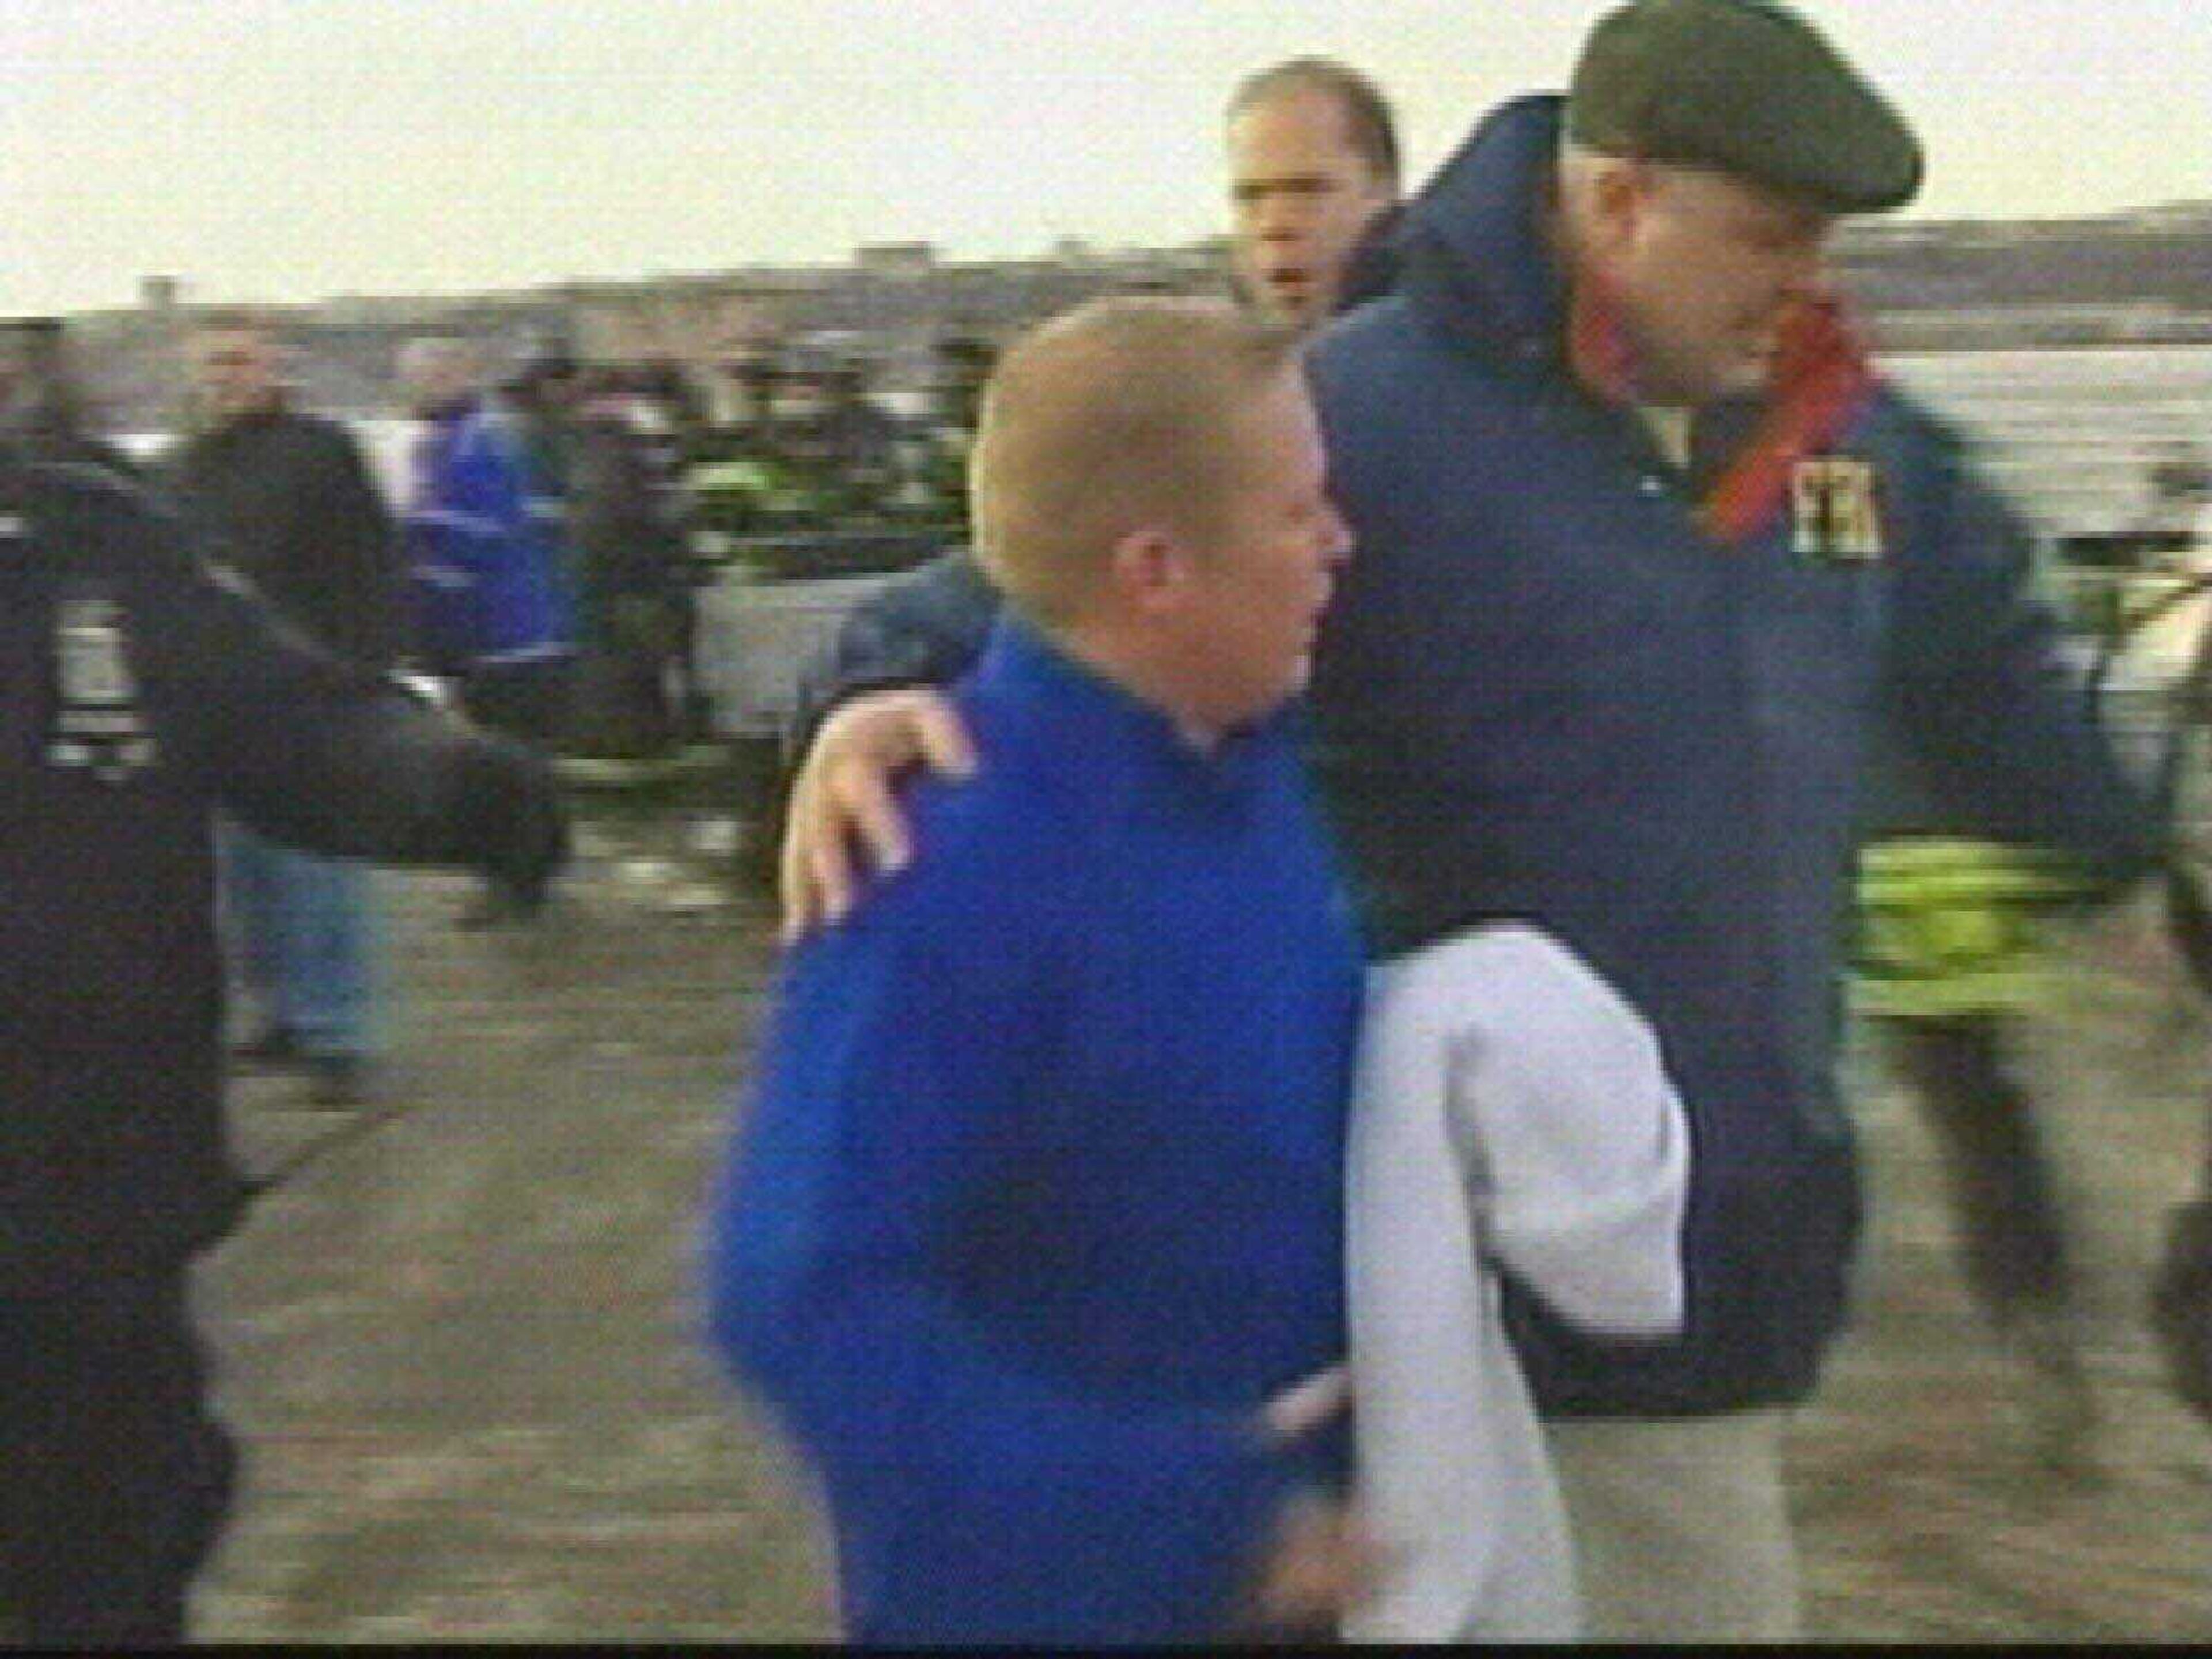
(1821, 381)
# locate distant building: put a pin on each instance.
(2142, 278)
(910, 260)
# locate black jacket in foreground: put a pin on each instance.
(139, 693)
(286, 499)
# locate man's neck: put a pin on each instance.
(1124, 662)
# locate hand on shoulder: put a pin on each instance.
(841, 798)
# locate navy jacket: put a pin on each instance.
(138, 695)
(1041, 1196)
(1546, 692)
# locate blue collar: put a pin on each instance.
(1101, 731)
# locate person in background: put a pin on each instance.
(538, 406)
(633, 574)
(490, 615)
(285, 499)
(45, 412)
(2181, 1295)
(1950, 961)
(1314, 170)
(1314, 183)
(2180, 490)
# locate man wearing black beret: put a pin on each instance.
(1647, 558)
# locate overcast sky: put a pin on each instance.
(278, 149)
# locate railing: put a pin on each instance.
(758, 629)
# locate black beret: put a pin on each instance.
(1749, 89)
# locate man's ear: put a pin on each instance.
(1148, 570)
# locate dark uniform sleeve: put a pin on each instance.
(325, 754)
(611, 510)
(926, 626)
(364, 555)
(1982, 700)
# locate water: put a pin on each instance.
(2068, 434)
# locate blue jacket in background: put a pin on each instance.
(1547, 692)
(485, 579)
(1040, 1195)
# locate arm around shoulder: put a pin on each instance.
(925, 627)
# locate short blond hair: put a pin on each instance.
(1118, 416)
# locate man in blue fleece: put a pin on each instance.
(1033, 1238)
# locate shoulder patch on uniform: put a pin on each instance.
(101, 723)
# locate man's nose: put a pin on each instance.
(1279, 218)
(1337, 543)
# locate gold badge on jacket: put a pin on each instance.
(1837, 517)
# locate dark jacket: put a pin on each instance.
(1547, 692)
(922, 627)
(1372, 271)
(138, 694)
(628, 541)
(287, 499)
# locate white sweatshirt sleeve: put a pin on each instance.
(1512, 1111)
(1573, 1142)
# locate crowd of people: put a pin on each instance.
(1320, 1116)
(208, 743)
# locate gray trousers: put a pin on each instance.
(1680, 1529)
